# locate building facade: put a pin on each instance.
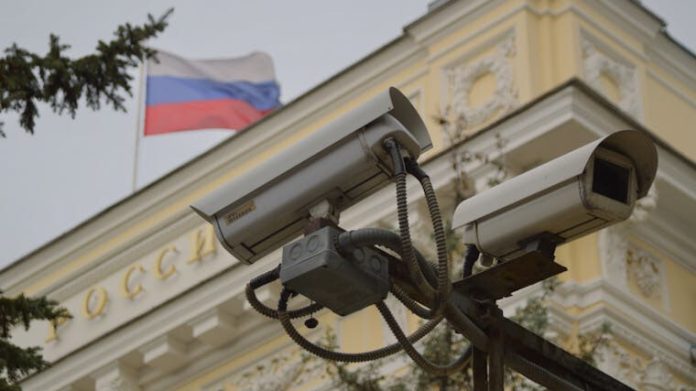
(159, 305)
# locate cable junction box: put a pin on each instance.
(344, 283)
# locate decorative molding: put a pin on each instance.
(613, 247)
(623, 262)
(462, 77)
(613, 242)
(617, 362)
(646, 271)
(598, 62)
(644, 206)
(646, 332)
(656, 377)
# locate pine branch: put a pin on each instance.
(17, 362)
(27, 78)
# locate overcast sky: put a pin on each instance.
(71, 169)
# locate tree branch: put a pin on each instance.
(27, 78)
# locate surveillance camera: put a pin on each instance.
(341, 163)
(578, 193)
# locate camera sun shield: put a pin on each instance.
(342, 163)
(580, 192)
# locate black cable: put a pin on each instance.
(421, 361)
(265, 279)
(395, 153)
(407, 251)
(408, 302)
(470, 256)
(340, 356)
(443, 282)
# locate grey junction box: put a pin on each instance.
(313, 267)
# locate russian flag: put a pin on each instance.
(231, 93)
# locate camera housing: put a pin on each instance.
(580, 192)
(341, 163)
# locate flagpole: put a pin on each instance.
(139, 128)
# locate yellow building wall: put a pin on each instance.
(672, 116)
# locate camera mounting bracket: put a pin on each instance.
(535, 264)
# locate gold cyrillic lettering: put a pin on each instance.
(102, 297)
(126, 290)
(157, 269)
(53, 329)
(203, 243)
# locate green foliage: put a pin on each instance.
(16, 362)
(27, 78)
(345, 378)
(533, 315)
(442, 347)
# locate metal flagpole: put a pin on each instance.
(140, 125)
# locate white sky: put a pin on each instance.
(71, 169)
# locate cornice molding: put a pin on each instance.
(447, 19)
(671, 87)
(631, 15)
(679, 63)
(657, 333)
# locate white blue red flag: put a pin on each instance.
(187, 94)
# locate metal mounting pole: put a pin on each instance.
(498, 341)
(496, 372)
(480, 370)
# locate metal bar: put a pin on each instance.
(538, 374)
(527, 345)
(555, 360)
(480, 369)
(496, 351)
(466, 326)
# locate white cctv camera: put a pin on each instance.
(341, 163)
(578, 193)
